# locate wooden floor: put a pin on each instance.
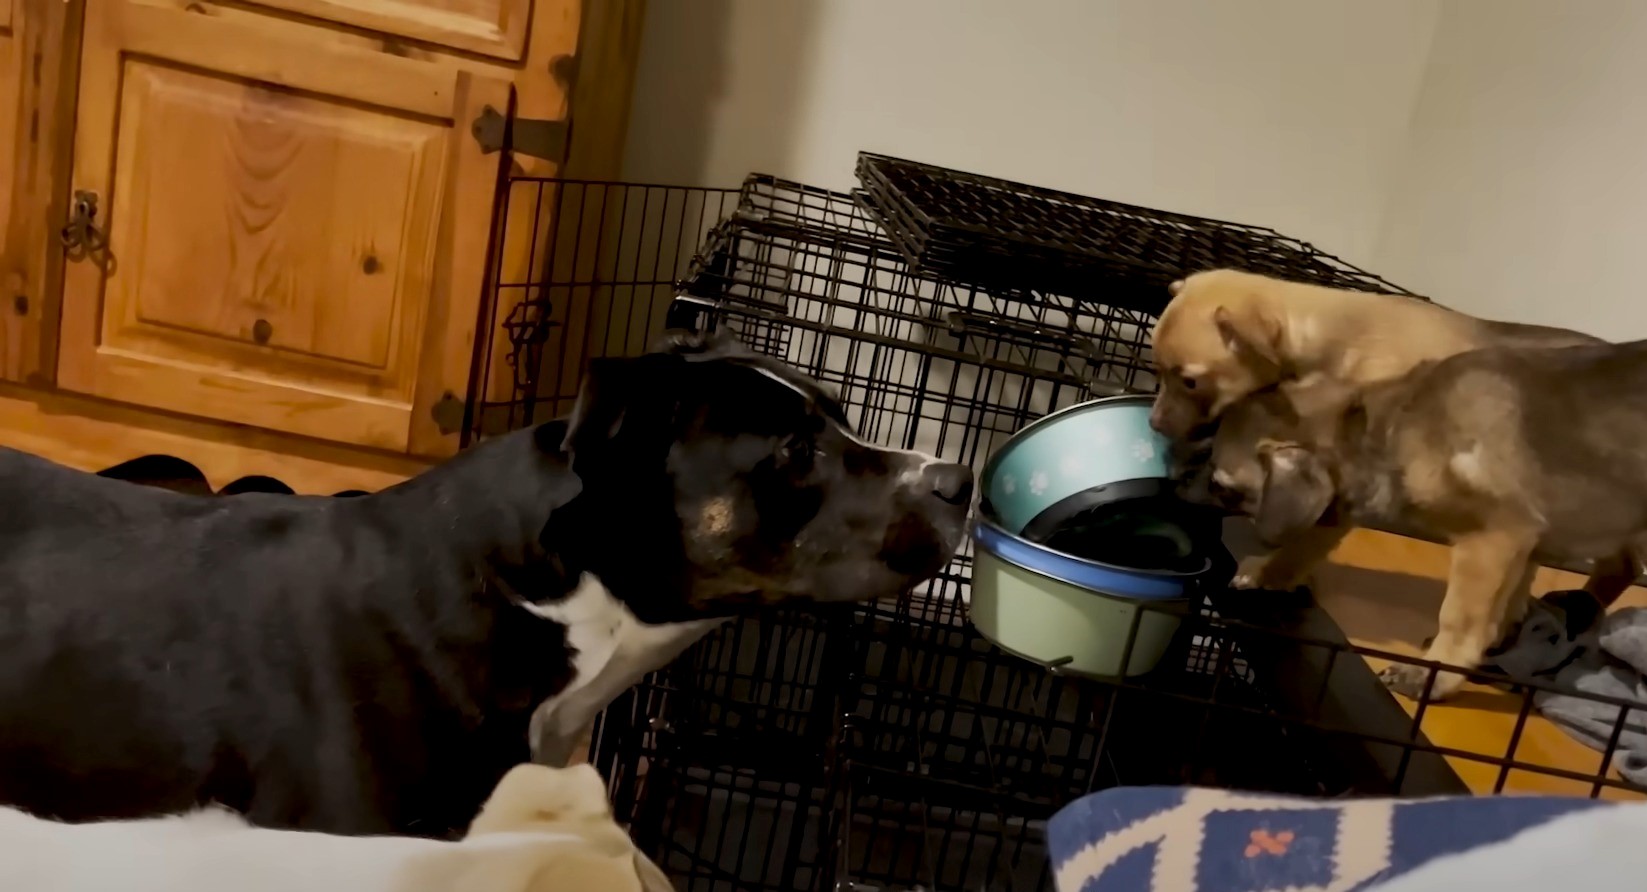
(1384, 592)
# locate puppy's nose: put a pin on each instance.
(1158, 420)
(951, 483)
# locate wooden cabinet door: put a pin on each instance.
(296, 232)
(489, 27)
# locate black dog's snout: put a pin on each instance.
(951, 483)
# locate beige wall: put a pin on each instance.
(1288, 113)
(1523, 191)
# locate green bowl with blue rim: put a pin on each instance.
(1086, 560)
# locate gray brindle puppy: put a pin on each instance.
(1508, 454)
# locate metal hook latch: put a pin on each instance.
(80, 236)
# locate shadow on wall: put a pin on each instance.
(687, 61)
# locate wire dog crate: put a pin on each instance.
(887, 745)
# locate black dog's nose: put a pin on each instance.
(952, 483)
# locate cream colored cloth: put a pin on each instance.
(543, 830)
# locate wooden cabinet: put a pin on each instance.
(487, 27)
(282, 225)
(278, 215)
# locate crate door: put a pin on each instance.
(286, 234)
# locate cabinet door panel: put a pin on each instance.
(490, 27)
(280, 221)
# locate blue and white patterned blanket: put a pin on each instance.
(1185, 839)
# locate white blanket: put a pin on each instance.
(1597, 850)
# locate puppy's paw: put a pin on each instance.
(1409, 681)
(1259, 581)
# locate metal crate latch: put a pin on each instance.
(537, 138)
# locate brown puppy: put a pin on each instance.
(1227, 334)
(1505, 453)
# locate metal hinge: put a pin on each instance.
(489, 419)
(447, 413)
(539, 139)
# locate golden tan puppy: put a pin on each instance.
(1227, 334)
(543, 830)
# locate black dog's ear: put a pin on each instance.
(1297, 491)
(632, 398)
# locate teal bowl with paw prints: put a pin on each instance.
(1086, 559)
(1079, 451)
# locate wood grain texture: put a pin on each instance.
(489, 27)
(38, 61)
(276, 228)
(601, 35)
(460, 271)
(301, 229)
(92, 435)
(248, 49)
(1384, 592)
(608, 48)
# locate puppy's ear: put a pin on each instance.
(1251, 335)
(633, 397)
(1297, 491)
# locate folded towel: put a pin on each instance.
(1566, 640)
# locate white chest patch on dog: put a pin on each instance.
(611, 650)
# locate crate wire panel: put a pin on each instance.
(919, 364)
(953, 754)
(871, 747)
(719, 762)
(968, 228)
(602, 262)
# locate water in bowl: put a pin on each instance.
(1141, 534)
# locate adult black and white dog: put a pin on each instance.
(372, 664)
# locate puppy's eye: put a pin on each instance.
(1186, 380)
(798, 450)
